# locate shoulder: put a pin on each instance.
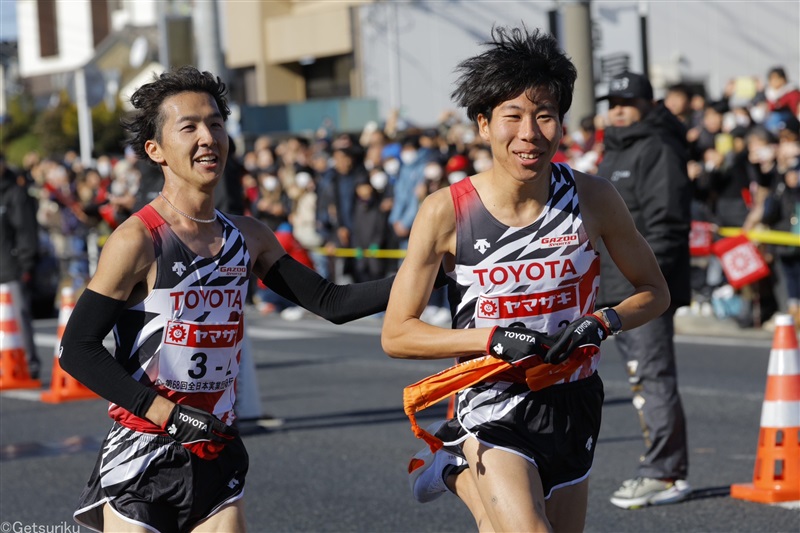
(125, 260)
(439, 205)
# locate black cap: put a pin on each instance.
(629, 85)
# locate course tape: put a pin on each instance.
(784, 238)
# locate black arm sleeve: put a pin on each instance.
(336, 303)
(85, 358)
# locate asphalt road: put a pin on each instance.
(338, 461)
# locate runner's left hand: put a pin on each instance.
(585, 331)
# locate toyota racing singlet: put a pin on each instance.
(184, 339)
(542, 276)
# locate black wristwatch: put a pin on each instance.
(611, 319)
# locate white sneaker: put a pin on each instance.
(643, 491)
(427, 471)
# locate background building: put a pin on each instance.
(293, 65)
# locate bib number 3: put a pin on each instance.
(198, 357)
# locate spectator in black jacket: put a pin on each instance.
(19, 245)
(646, 160)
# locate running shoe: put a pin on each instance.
(643, 491)
(427, 471)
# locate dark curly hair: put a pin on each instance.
(518, 61)
(148, 120)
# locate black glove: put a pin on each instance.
(514, 344)
(586, 331)
(189, 425)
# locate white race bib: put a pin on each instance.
(198, 356)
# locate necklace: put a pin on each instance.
(190, 217)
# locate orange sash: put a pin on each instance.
(433, 389)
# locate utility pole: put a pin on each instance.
(85, 131)
(163, 8)
(577, 43)
(643, 37)
(207, 38)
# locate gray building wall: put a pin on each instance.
(409, 49)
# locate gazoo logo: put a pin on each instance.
(237, 271)
(561, 240)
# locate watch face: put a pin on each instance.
(614, 323)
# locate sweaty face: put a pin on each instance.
(524, 134)
(194, 142)
(622, 112)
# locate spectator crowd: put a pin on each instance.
(362, 191)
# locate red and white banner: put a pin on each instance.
(741, 261)
(701, 238)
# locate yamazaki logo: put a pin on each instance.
(527, 305)
(207, 298)
(561, 240)
(532, 271)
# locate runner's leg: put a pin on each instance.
(464, 487)
(566, 507)
(509, 487)
(230, 519)
(113, 522)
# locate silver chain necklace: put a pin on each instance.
(190, 217)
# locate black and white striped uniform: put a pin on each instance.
(183, 340)
(542, 276)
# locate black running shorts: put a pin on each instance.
(556, 429)
(153, 481)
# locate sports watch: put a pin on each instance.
(611, 319)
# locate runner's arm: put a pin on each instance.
(305, 287)
(602, 204)
(404, 335)
(123, 267)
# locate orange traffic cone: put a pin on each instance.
(14, 372)
(64, 387)
(777, 471)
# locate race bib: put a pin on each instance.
(198, 356)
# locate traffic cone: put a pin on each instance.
(64, 387)
(14, 372)
(776, 477)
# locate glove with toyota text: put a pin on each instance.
(586, 331)
(515, 344)
(189, 425)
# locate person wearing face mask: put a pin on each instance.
(406, 202)
(646, 162)
(369, 230)
(272, 206)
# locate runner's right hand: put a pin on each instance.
(515, 344)
(189, 425)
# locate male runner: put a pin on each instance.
(518, 242)
(171, 283)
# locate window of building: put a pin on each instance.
(328, 77)
(48, 28)
(242, 86)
